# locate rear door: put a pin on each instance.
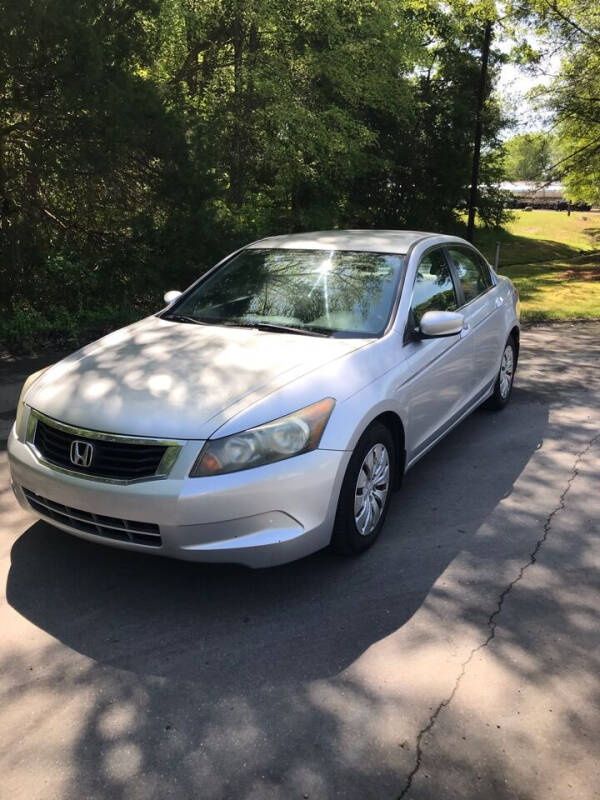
(482, 305)
(440, 369)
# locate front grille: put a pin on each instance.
(123, 530)
(110, 459)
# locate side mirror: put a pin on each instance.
(171, 296)
(441, 323)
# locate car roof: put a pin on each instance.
(376, 241)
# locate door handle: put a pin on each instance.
(499, 302)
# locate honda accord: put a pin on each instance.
(270, 409)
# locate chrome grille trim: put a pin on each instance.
(124, 530)
(172, 449)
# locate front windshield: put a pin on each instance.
(332, 292)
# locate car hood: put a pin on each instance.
(165, 379)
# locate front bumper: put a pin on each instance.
(258, 517)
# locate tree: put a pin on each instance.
(143, 139)
(84, 146)
(574, 96)
(529, 157)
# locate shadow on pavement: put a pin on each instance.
(213, 660)
(296, 622)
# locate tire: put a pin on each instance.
(503, 390)
(348, 538)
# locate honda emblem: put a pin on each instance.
(81, 453)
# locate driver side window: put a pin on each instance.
(434, 288)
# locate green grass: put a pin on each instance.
(554, 261)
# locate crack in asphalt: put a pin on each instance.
(492, 619)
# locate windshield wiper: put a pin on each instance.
(184, 318)
(261, 326)
(272, 326)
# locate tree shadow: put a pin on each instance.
(525, 710)
(208, 673)
(594, 233)
(516, 250)
(532, 279)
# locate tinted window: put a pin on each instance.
(338, 292)
(474, 275)
(434, 289)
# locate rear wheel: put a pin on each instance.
(366, 491)
(504, 381)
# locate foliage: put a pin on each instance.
(529, 157)
(573, 26)
(27, 328)
(140, 140)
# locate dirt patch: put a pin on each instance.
(590, 273)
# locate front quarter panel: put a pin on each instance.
(383, 371)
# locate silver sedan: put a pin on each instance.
(270, 409)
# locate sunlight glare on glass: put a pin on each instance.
(326, 265)
(322, 270)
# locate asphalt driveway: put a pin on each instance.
(458, 658)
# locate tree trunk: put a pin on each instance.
(237, 166)
(485, 55)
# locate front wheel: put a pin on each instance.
(504, 381)
(366, 491)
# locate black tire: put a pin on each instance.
(499, 398)
(346, 538)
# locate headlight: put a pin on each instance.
(284, 437)
(20, 421)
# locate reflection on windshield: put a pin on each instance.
(328, 291)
